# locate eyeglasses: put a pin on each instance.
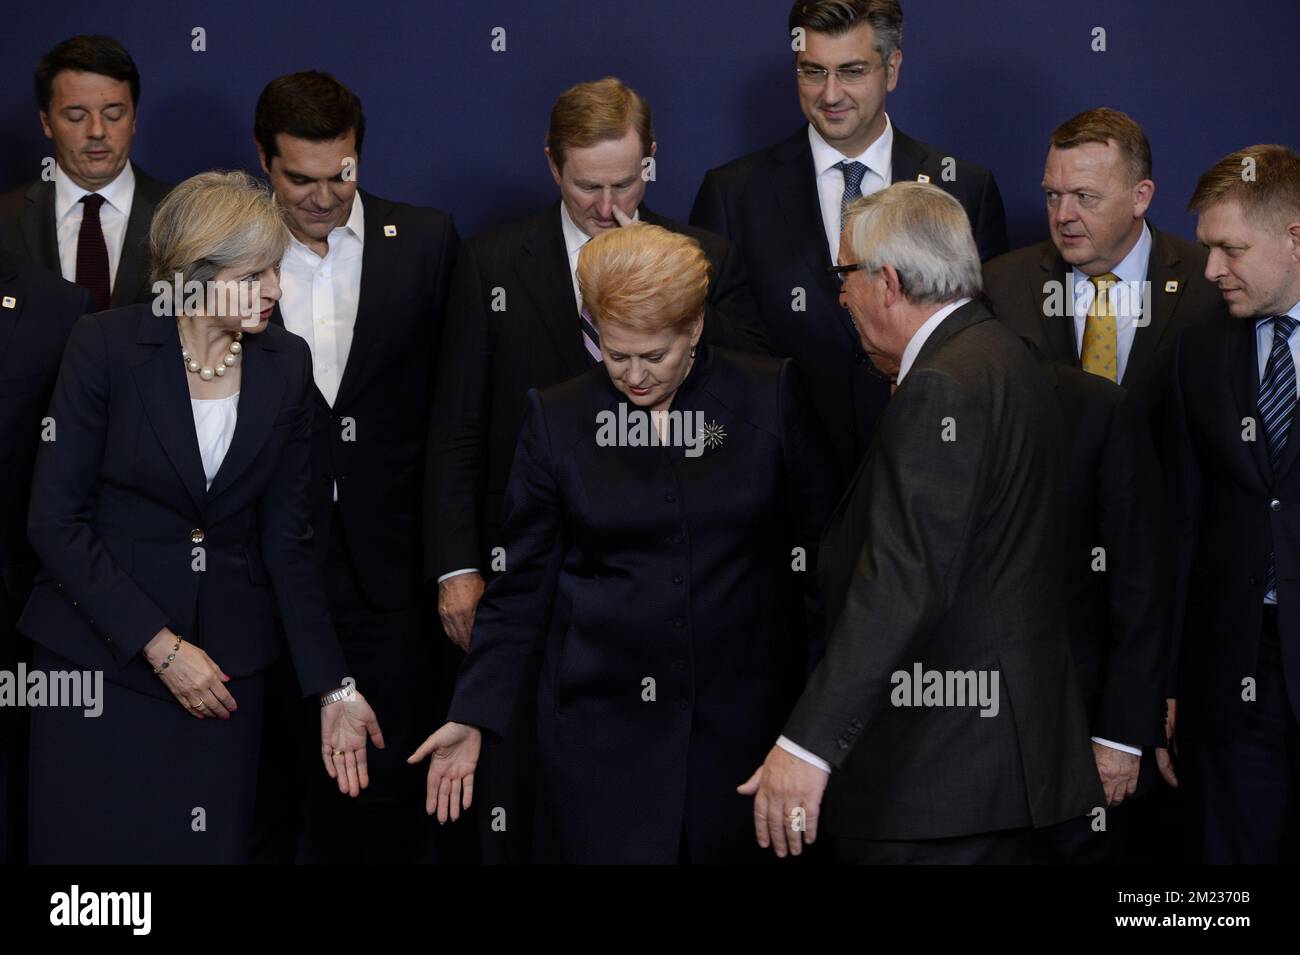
(841, 271)
(848, 75)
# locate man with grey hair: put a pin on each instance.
(944, 723)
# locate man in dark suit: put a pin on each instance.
(1235, 484)
(515, 322)
(1116, 599)
(942, 574)
(37, 311)
(365, 283)
(87, 217)
(783, 204)
(1098, 188)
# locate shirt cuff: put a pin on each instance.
(457, 573)
(1131, 750)
(794, 749)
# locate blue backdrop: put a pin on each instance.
(453, 124)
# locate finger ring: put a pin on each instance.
(199, 705)
(338, 752)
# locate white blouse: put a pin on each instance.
(214, 423)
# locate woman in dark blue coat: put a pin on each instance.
(662, 518)
(169, 510)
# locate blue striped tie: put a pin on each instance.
(1277, 400)
(590, 337)
(853, 173)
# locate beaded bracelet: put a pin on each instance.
(170, 657)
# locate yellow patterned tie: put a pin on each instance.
(1100, 352)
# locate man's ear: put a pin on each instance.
(45, 125)
(893, 66)
(1143, 193)
(893, 285)
(550, 161)
(261, 158)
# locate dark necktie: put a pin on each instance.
(1277, 399)
(92, 252)
(590, 337)
(853, 173)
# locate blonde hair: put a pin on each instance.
(597, 112)
(643, 277)
(213, 221)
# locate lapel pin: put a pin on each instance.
(8, 301)
(922, 177)
(390, 231)
(1171, 285)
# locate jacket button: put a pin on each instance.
(1275, 504)
(196, 536)
(679, 623)
(670, 497)
(678, 578)
(844, 744)
(1254, 581)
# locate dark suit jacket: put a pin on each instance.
(27, 229)
(1018, 284)
(767, 204)
(1117, 613)
(636, 563)
(947, 554)
(33, 328)
(119, 508)
(372, 441)
(1231, 511)
(490, 358)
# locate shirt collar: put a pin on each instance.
(1294, 312)
(878, 157)
(117, 193)
(1133, 267)
(574, 237)
(923, 333)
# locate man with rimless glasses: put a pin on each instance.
(783, 204)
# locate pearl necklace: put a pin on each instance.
(207, 374)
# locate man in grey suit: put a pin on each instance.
(87, 217)
(944, 723)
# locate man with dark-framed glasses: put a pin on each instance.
(783, 204)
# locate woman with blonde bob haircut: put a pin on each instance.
(171, 519)
(660, 541)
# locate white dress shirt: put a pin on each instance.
(320, 295)
(879, 160)
(214, 425)
(1126, 302)
(113, 217)
(1263, 346)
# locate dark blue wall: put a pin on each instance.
(453, 124)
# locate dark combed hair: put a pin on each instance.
(310, 105)
(101, 55)
(837, 17)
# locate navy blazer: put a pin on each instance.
(638, 564)
(131, 541)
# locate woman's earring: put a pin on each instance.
(692, 351)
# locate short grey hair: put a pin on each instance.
(214, 221)
(924, 234)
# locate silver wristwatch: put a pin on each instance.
(342, 693)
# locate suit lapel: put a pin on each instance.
(377, 256)
(164, 392)
(544, 269)
(38, 227)
(1242, 373)
(906, 159)
(135, 246)
(1164, 271)
(261, 394)
(1059, 340)
(794, 182)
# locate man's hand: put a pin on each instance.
(1165, 762)
(1118, 771)
(458, 598)
(623, 219)
(787, 801)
